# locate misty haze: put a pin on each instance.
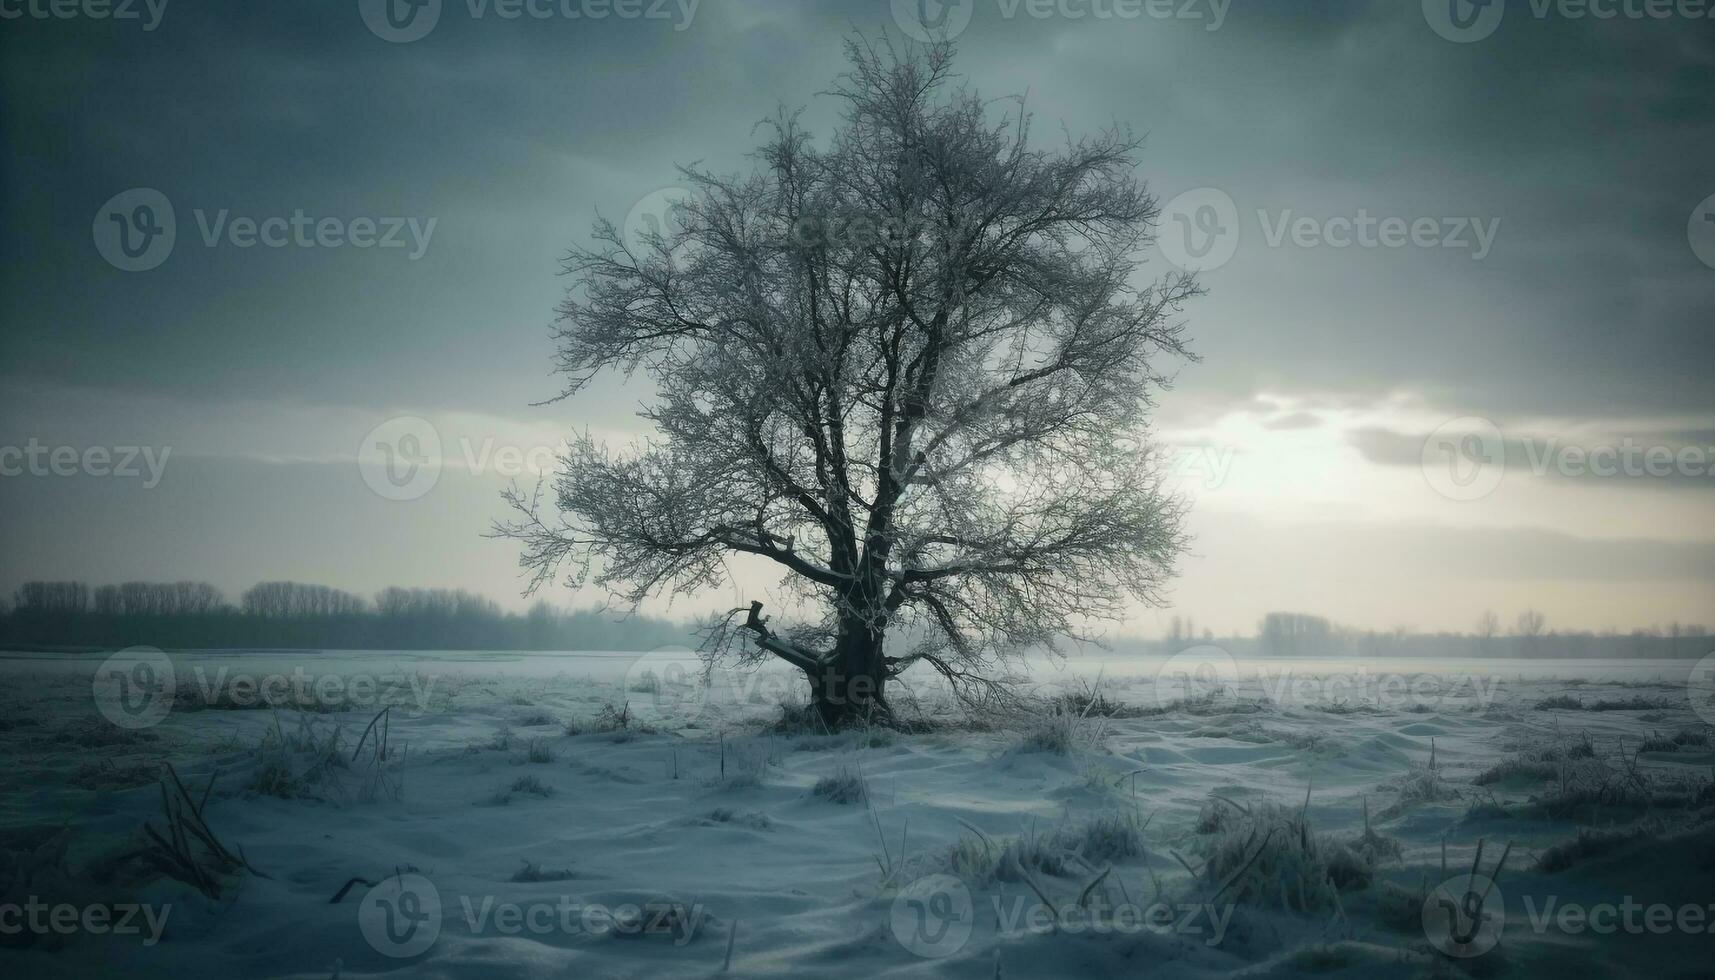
(909, 488)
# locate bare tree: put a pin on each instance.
(912, 369)
(1531, 623)
(1530, 626)
(1488, 625)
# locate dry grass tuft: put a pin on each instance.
(843, 787)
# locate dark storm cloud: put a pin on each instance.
(1438, 554)
(1587, 139)
(1637, 459)
(511, 133)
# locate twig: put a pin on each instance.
(1246, 866)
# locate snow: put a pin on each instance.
(642, 822)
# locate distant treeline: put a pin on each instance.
(275, 615)
(1306, 635)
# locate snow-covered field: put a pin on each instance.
(605, 815)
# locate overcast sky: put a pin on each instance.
(1449, 269)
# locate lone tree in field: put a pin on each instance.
(911, 368)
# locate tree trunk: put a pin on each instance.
(848, 683)
(850, 689)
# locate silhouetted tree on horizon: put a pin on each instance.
(912, 369)
(290, 614)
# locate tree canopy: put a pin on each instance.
(911, 367)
